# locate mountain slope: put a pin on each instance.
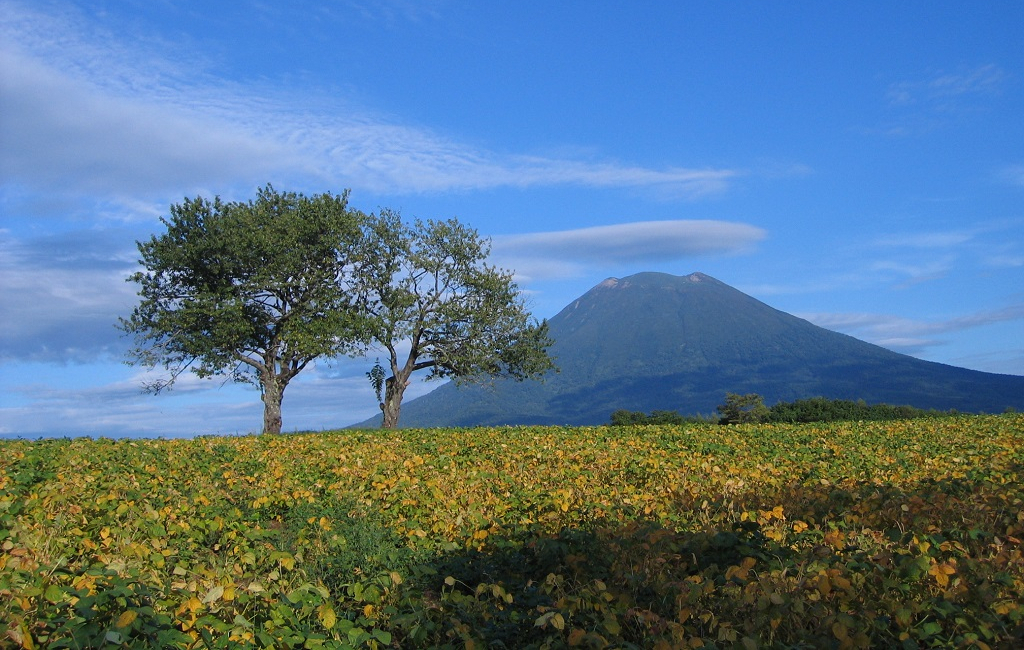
(656, 341)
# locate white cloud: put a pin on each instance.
(1012, 174)
(64, 294)
(926, 239)
(82, 115)
(1007, 362)
(940, 88)
(915, 273)
(905, 334)
(1008, 256)
(67, 133)
(933, 102)
(982, 79)
(322, 397)
(564, 253)
(59, 412)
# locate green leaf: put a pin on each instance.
(54, 594)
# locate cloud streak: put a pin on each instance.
(909, 335)
(1012, 175)
(935, 101)
(67, 291)
(946, 239)
(942, 88)
(321, 397)
(565, 252)
(144, 126)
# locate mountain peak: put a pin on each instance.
(656, 279)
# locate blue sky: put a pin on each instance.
(860, 165)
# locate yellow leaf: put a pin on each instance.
(368, 611)
(824, 586)
(327, 616)
(841, 582)
(213, 595)
(558, 622)
(229, 592)
(22, 636)
(126, 618)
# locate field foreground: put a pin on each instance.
(900, 534)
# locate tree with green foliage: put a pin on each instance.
(743, 409)
(253, 290)
(435, 304)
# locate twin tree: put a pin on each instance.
(258, 290)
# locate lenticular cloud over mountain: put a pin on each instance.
(633, 242)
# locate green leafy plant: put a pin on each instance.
(847, 534)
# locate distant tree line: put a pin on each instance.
(750, 408)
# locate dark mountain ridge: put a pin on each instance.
(656, 341)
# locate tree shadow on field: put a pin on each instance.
(868, 566)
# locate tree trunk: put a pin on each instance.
(273, 393)
(392, 406)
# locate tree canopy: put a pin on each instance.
(253, 290)
(742, 409)
(435, 304)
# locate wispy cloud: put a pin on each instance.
(933, 101)
(323, 396)
(84, 116)
(905, 334)
(914, 257)
(945, 239)
(67, 291)
(118, 410)
(909, 273)
(1012, 175)
(942, 87)
(567, 252)
(1007, 362)
(1004, 257)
